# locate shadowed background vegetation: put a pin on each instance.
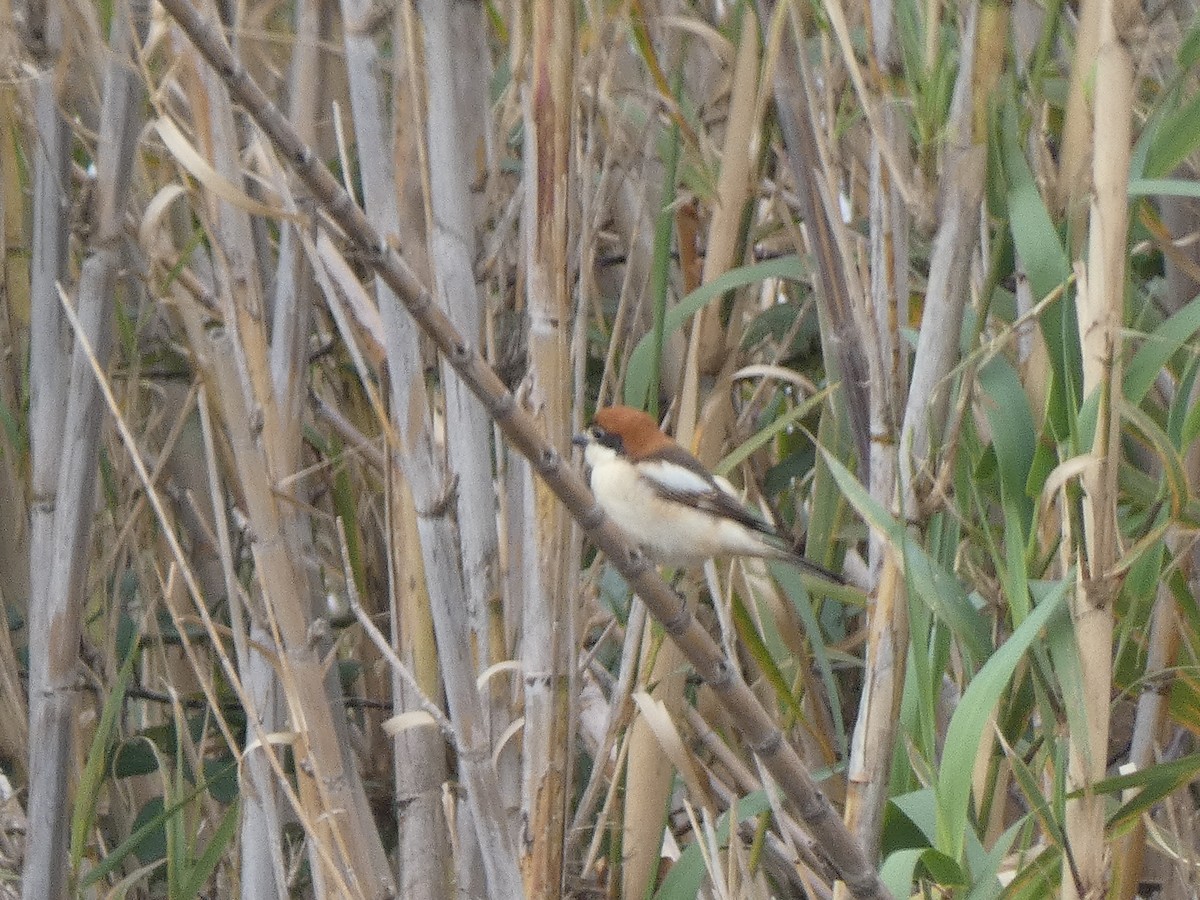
(285, 612)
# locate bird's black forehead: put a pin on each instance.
(609, 439)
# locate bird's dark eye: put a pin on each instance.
(607, 439)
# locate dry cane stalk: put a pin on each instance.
(548, 630)
(1100, 304)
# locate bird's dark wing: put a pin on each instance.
(677, 475)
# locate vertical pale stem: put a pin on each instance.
(457, 107)
(55, 617)
(52, 651)
(841, 339)
(1100, 303)
(455, 60)
(424, 853)
(889, 278)
(548, 625)
(886, 645)
(1152, 712)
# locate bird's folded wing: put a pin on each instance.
(681, 478)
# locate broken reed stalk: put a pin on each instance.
(739, 702)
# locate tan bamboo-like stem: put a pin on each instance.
(260, 832)
(1152, 715)
(433, 487)
(1100, 304)
(889, 241)
(739, 151)
(548, 631)
(457, 72)
(648, 771)
(324, 788)
(743, 707)
(886, 353)
(417, 570)
(425, 862)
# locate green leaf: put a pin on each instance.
(1158, 348)
(1048, 268)
(1189, 47)
(1164, 187)
(1038, 878)
(790, 580)
(199, 872)
(900, 869)
(83, 816)
(1033, 231)
(1152, 785)
(1174, 140)
(155, 817)
(829, 511)
(920, 807)
(743, 623)
(966, 729)
(1029, 783)
(759, 440)
(1172, 462)
(683, 881)
(1014, 573)
(928, 580)
(1013, 433)
(638, 374)
(986, 883)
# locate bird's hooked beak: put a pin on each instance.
(581, 440)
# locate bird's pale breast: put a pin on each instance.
(670, 532)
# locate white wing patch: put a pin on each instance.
(675, 479)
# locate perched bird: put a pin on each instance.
(667, 503)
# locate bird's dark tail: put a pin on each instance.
(807, 565)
